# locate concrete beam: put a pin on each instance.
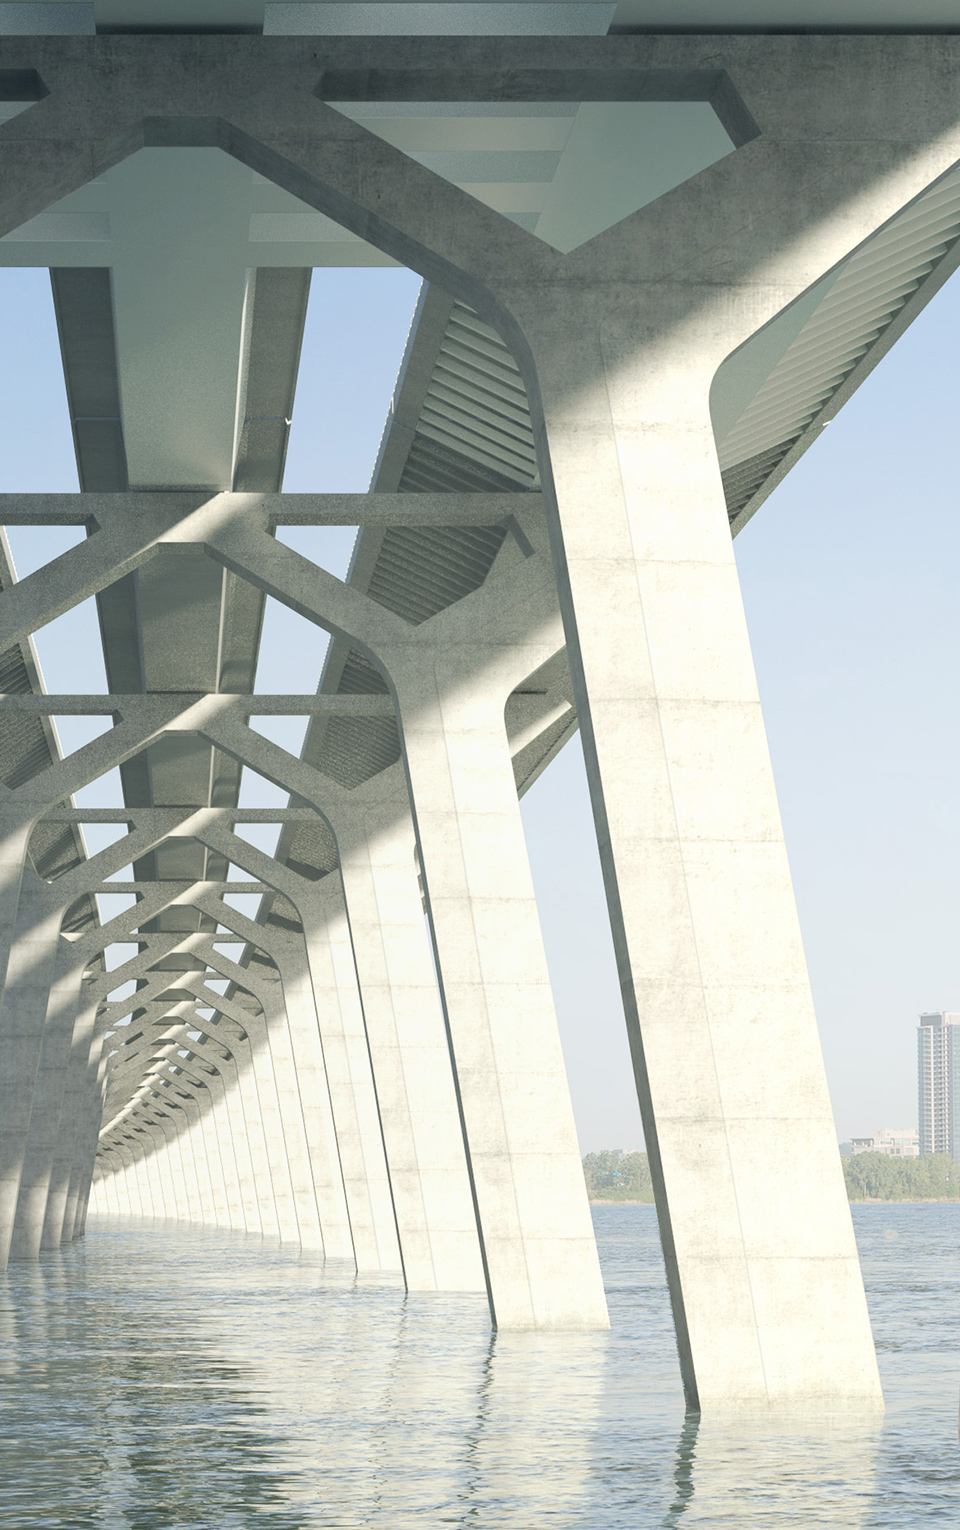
(278, 509)
(134, 706)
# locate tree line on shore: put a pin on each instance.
(878, 1177)
(615, 1176)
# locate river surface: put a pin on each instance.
(159, 1377)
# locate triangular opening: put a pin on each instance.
(70, 652)
(33, 547)
(231, 949)
(36, 442)
(104, 792)
(244, 903)
(288, 732)
(124, 991)
(119, 952)
(358, 322)
(74, 731)
(238, 874)
(263, 836)
(257, 792)
(100, 836)
(292, 651)
(125, 874)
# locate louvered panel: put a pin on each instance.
(482, 370)
(483, 409)
(464, 432)
(866, 296)
(360, 678)
(863, 279)
(486, 358)
(850, 321)
(357, 748)
(433, 466)
(500, 437)
(910, 233)
(459, 357)
(473, 435)
(787, 417)
(24, 751)
(479, 387)
(794, 380)
(458, 436)
(431, 477)
(437, 582)
(740, 483)
(420, 572)
(863, 300)
(54, 849)
(467, 328)
(851, 326)
(832, 353)
(313, 846)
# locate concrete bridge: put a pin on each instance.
(657, 263)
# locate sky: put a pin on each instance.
(849, 575)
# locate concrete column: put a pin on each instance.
(346, 1219)
(374, 1113)
(451, 677)
(292, 1137)
(220, 1165)
(89, 1158)
(279, 1099)
(408, 1040)
(127, 1200)
(195, 1144)
(232, 1138)
(217, 1126)
(537, 1237)
(333, 1069)
(252, 1134)
(167, 1164)
(30, 970)
(69, 1137)
(102, 1192)
(145, 1195)
(757, 1238)
(40, 1148)
(89, 1123)
(357, 1108)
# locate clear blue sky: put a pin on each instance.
(849, 575)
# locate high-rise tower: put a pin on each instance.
(938, 1083)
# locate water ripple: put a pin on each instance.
(159, 1377)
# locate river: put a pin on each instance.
(162, 1377)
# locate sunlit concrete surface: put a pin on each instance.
(655, 266)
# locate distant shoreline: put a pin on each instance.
(610, 1201)
(920, 1200)
(861, 1200)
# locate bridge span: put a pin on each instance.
(656, 263)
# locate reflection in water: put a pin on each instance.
(160, 1376)
(796, 1473)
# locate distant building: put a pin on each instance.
(903, 1142)
(938, 1083)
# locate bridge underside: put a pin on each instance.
(332, 1022)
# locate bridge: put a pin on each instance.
(656, 263)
